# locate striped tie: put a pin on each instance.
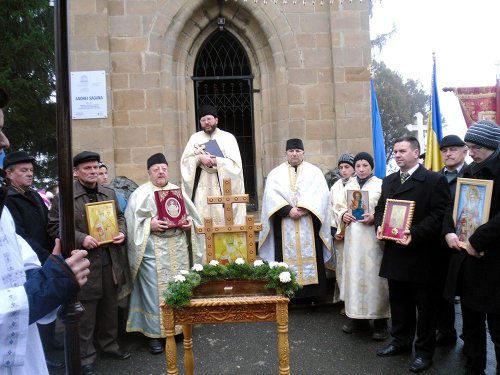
(404, 176)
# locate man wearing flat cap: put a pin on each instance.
(30, 215)
(157, 252)
(453, 153)
(474, 269)
(204, 168)
(108, 262)
(296, 220)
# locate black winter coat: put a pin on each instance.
(31, 217)
(419, 261)
(479, 278)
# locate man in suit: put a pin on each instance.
(474, 267)
(411, 264)
(453, 152)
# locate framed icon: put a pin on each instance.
(398, 215)
(472, 206)
(358, 203)
(102, 221)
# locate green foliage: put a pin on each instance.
(179, 293)
(398, 102)
(27, 74)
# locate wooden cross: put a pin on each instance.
(210, 230)
(199, 149)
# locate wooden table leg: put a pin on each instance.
(283, 348)
(171, 352)
(188, 349)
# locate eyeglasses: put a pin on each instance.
(475, 148)
(207, 119)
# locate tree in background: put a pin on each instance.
(27, 72)
(398, 102)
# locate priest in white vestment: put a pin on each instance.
(296, 220)
(366, 294)
(203, 172)
(156, 254)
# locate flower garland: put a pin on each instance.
(276, 274)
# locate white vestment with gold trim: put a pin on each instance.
(304, 187)
(155, 258)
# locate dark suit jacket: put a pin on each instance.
(419, 261)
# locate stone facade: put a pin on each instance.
(310, 65)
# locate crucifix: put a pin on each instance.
(211, 231)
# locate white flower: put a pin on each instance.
(273, 264)
(285, 277)
(183, 272)
(214, 262)
(283, 264)
(180, 278)
(197, 267)
(239, 261)
(258, 263)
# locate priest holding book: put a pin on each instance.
(162, 241)
(210, 156)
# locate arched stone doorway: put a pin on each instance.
(223, 77)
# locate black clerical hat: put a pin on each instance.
(158, 158)
(294, 144)
(206, 110)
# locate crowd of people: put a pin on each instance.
(412, 281)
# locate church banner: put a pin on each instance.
(477, 103)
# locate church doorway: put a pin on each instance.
(223, 78)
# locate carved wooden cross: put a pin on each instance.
(210, 230)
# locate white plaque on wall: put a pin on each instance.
(88, 95)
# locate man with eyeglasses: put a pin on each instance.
(204, 168)
(453, 152)
(476, 267)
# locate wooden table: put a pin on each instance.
(214, 310)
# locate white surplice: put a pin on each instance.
(211, 179)
(365, 293)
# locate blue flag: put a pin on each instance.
(378, 137)
(433, 160)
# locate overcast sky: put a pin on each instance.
(464, 35)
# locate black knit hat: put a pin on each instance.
(294, 144)
(16, 158)
(346, 158)
(484, 133)
(206, 110)
(158, 158)
(85, 156)
(364, 156)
